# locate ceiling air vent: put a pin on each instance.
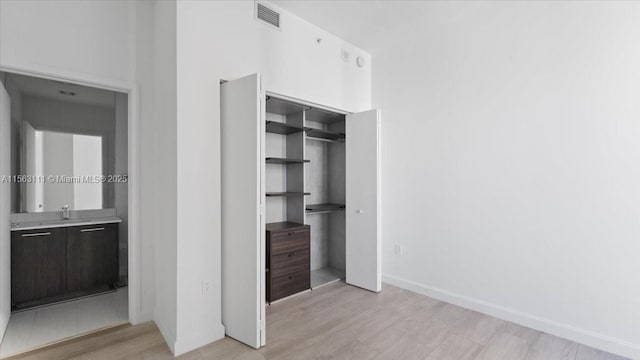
(267, 15)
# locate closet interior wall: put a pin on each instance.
(325, 181)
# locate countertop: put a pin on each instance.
(47, 224)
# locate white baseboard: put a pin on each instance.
(582, 336)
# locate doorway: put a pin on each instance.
(69, 211)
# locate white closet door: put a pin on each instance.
(363, 242)
(5, 230)
(242, 130)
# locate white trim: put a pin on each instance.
(262, 262)
(136, 315)
(582, 336)
(52, 73)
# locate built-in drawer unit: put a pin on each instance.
(290, 262)
(288, 265)
(286, 285)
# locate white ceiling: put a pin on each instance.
(366, 24)
(50, 89)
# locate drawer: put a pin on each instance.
(290, 262)
(283, 286)
(283, 242)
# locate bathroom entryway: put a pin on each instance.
(64, 264)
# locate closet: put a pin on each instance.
(305, 185)
(300, 201)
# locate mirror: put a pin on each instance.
(67, 170)
(69, 146)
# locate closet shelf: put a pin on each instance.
(323, 208)
(282, 128)
(287, 193)
(274, 160)
(324, 134)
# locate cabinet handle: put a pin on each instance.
(36, 234)
(291, 233)
(292, 254)
(92, 229)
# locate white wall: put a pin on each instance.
(165, 170)
(222, 40)
(511, 162)
(89, 37)
(144, 40)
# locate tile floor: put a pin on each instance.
(34, 328)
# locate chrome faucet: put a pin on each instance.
(65, 212)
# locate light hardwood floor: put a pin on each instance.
(343, 322)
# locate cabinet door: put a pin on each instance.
(243, 246)
(37, 265)
(363, 246)
(92, 257)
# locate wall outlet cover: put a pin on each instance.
(205, 287)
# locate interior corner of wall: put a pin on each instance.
(196, 340)
(168, 335)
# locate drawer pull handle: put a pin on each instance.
(292, 254)
(291, 233)
(36, 234)
(290, 277)
(92, 229)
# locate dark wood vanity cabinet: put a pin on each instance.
(288, 262)
(37, 265)
(92, 256)
(55, 264)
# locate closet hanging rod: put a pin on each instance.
(325, 140)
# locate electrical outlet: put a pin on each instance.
(205, 287)
(398, 249)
